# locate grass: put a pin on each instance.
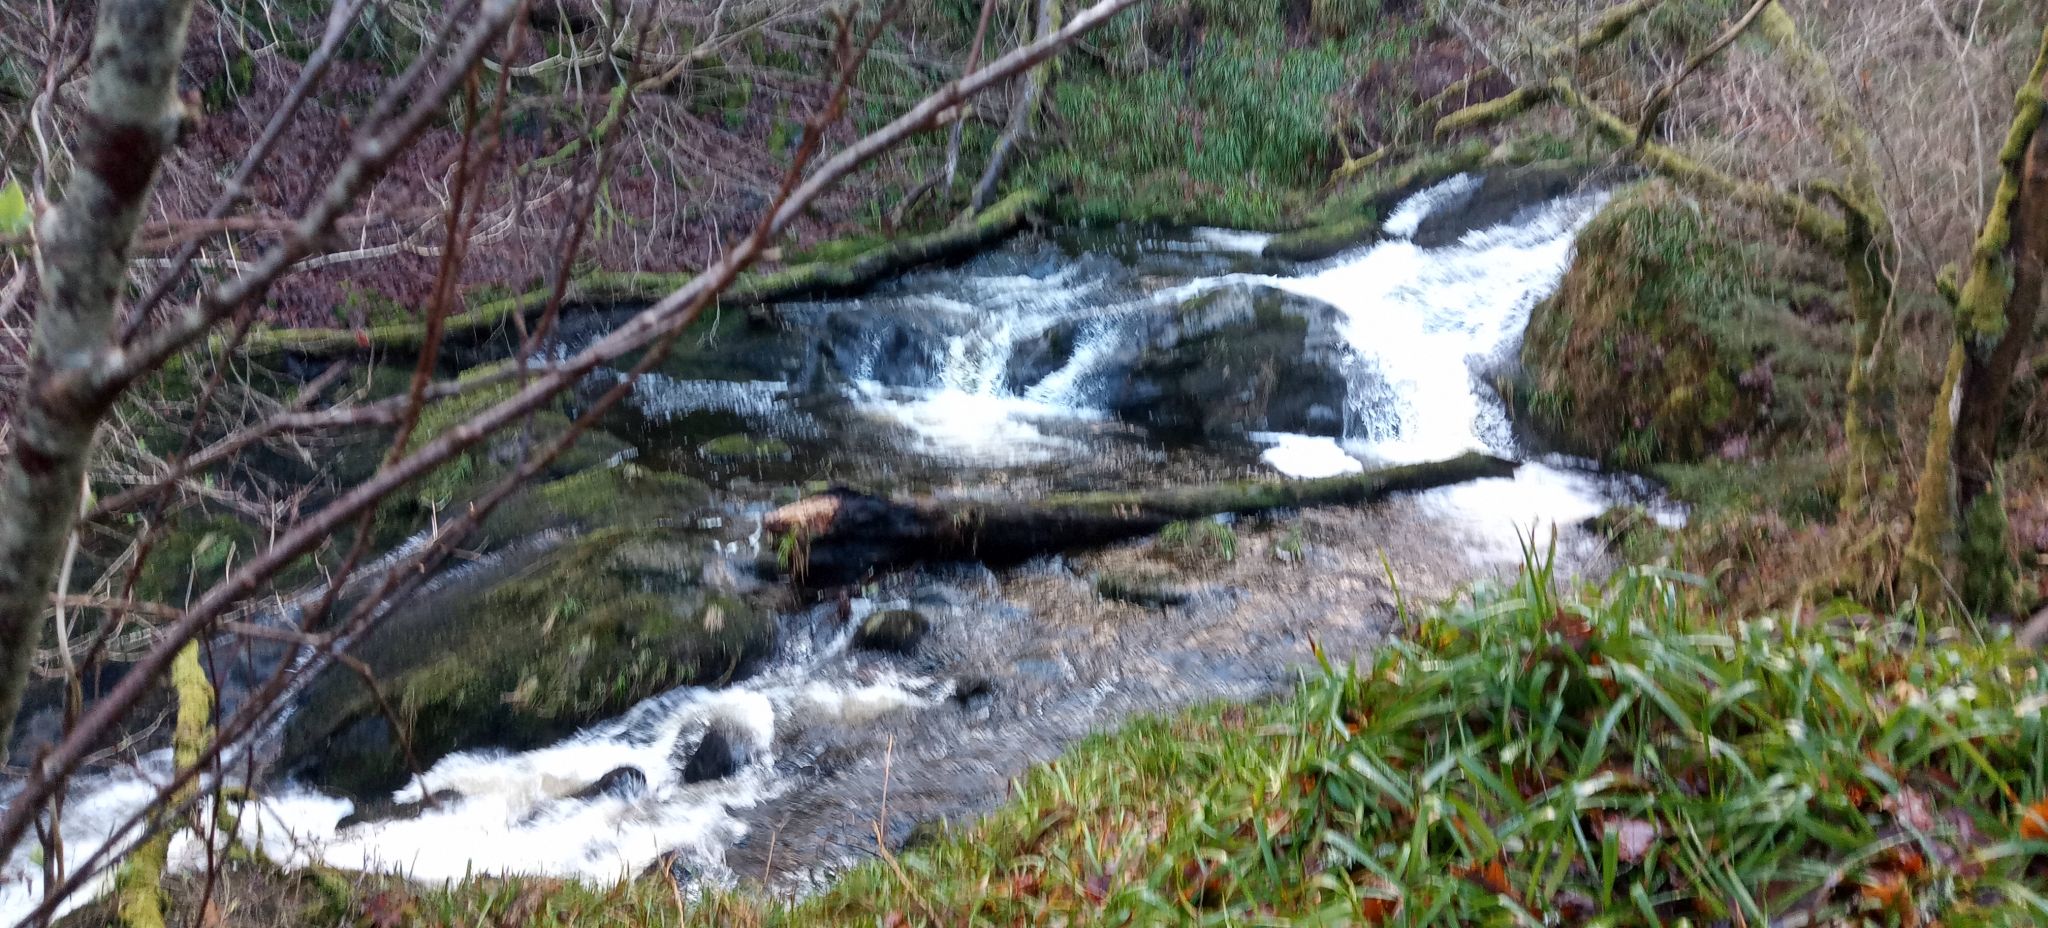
(1528, 754)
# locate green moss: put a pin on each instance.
(1669, 337)
(745, 447)
(1990, 573)
(517, 660)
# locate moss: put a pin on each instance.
(577, 635)
(1990, 573)
(1668, 339)
(745, 447)
(1208, 112)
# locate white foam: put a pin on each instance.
(1234, 240)
(1408, 216)
(1306, 457)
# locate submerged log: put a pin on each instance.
(841, 536)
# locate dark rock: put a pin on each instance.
(1240, 360)
(718, 756)
(1150, 592)
(893, 347)
(386, 810)
(1500, 197)
(973, 691)
(619, 783)
(897, 630)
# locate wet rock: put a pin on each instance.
(1243, 359)
(523, 651)
(373, 811)
(970, 692)
(619, 783)
(1501, 196)
(1150, 592)
(718, 756)
(740, 447)
(896, 346)
(897, 631)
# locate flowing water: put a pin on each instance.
(1011, 371)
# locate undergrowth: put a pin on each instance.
(1528, 754)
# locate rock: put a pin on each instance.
(386, 810)
(897, 631)
(718, 756)
(618, 783)
(969, 692)
(1238, 360)
(1150, 592)
(1501, 196)
(522, 651)
(893, 346)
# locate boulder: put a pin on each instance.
(896, 631)
(523, 651)
(371, 811)
(1238, 360)
(717, 756)
(618, 783)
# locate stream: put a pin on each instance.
(1073, 361)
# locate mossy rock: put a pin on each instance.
(624, 495)
(524, 653)
(745, 448)
(1670, 340)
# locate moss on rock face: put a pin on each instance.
(1668, 341)
(528, 653)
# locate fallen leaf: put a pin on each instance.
(1886, 891)
(1909, 808)
(1575, 907)
(388, 910)
(1493, 875)
(2034, 824)
(1373, 910)
(1633, 837)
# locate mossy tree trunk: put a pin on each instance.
(139, 887)
(1869, 259)
(1959, 545)
(842, 536)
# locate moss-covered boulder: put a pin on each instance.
(525, 652)
(1670, 339)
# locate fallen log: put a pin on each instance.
(602, 289)
(842, 535)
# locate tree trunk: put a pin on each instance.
(130, 120)
(138, 890)
(842, 536)
(1996, 309)
(1021, 118)
(1867, 259)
